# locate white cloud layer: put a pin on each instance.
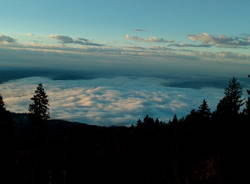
(113, 101)
(172, 49)
(221, 40)
(152, 39)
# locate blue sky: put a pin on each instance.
(111, 18)
(156, 29)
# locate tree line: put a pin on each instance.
(38, 109)
(204, 147)
(229, 106)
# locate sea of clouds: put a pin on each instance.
(109, 101)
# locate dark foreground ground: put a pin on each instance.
(191, 151)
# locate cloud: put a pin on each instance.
(221, 40)
(189, 45)
(115, 54)
(110, 101)
(232, 55)
(157, 53)
(171, 51)
(152, 39)
(69, 40)
(29, 34)
(63, 39)
(139, 30)
(6, 39)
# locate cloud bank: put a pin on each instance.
(139, 30)
(221, 40)
(6, 39)
(113, 101)
(152, 39)
(69, 40)
(83, 50)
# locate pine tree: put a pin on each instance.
(139, 123)
(148, 121)
(39, 109)
(230, 104)
(3, 111)
(175, 119)
(247, 108)
(204, 109)
(2, 105)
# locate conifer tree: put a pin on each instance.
(231, 103)
(2, 105)
(247, 108)
(3, 111)
(175, 119)
(204, 109)
(148, 121)
(39, 109)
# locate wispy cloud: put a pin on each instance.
(6, 39)
(188, 45)
(29, 34)
(140, 30)
(221, 40)
(152, 39)
(69, 40)
(180, 51)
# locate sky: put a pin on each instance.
(162, 29)
(110, 19)
(195, 44)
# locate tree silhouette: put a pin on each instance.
(230, 104)
(247, 108)
(194, 149)
(148, 122)
(6, 142)
(204, 109)
(175, 119)
(39, 109)
(2, 106)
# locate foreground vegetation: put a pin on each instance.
(202, 148)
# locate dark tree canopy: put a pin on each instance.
(3, 111)
(201, 148)
(247, 107)
(40, 106)
(204, 109)
(175, 119)
(231, 103)
(2, 105)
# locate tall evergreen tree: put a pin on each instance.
(39, 109)
(3, 111)
(7, 158)
(175, 119)
(204, 109)
(148, 121)
(247, 108)
(230, 104)
(2, 105)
